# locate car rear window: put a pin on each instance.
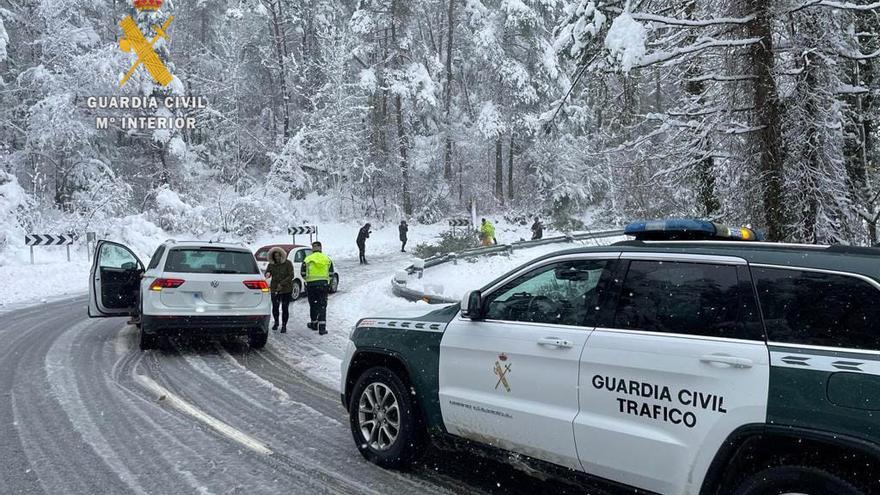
(210, 260)
(816, 308)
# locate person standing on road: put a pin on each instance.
(280, 274)
(487, 233)
(537, 229)
(403, 228)
(317, 269)
(363, 234)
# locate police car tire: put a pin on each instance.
(795, 479)
(334, 284)
(412, 437)
(297, 290)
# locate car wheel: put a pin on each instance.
(148, 340)
(387, 426)
(799, 480)
(297, 290)
(257, 340)
(334, 283)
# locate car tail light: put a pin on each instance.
(257, 285)
(166, 283)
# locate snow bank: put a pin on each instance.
(44, 282)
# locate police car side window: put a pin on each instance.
(154, 261)
(814, 308)
(564, 293)
(681, 297)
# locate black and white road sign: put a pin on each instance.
(459, 222)
(49, 239)
(305, 229)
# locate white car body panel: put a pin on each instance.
(659, 455)
(534, 417)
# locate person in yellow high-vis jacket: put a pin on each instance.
(487, 233)
(317, 269)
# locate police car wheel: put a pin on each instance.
(334, 283)
(795, 480)
(297, 290)
(385, 422)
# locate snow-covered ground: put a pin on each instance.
(50, 279)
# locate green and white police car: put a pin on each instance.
(700, 365)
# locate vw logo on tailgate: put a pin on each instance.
(215, 283)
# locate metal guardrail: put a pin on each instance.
(399, 288)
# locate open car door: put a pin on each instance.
(114, 281)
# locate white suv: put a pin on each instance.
(188, 287)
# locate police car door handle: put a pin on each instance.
(555, 342)
(731, 361)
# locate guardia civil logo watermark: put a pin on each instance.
(134, 40)
(146, 40)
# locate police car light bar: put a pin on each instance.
(687, 229)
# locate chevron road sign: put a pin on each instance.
(49, 240)
(303, 230)
(458, 222)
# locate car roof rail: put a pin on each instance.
(740, 244)
(844, 249)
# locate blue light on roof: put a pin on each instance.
(672, 225)
(687, 229)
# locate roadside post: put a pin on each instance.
(91, 237)
(32, 240)
(305, 229)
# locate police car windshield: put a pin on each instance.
(210, 260)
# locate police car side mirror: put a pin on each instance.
(472, 304)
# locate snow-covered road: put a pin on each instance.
(83, 411)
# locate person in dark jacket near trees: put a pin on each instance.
(317, 270)
(280, 274)
(363, 234)
(403, 228)
(537, 229)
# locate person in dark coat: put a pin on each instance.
(403, 228)
(363, 234)
(280, 273)
(537, 229)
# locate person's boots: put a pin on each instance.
(275, 326)
(312, 325)
(322, 328)
(284, 328)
